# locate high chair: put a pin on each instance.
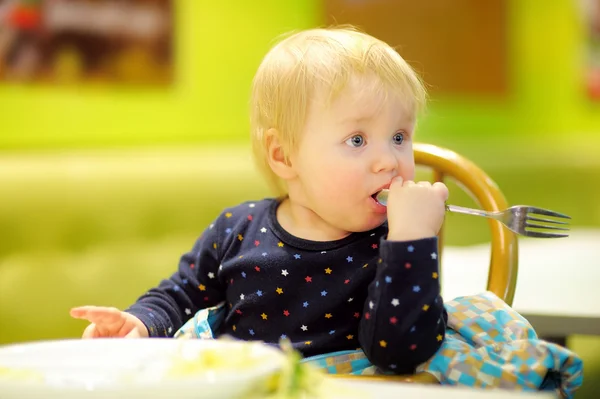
(502, 277)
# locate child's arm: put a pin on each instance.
(196, 285)
(404, 319)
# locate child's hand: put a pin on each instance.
(109, 323)
(415, 210)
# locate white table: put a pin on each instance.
(558, 285)
(379, 390)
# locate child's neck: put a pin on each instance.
(303, 223)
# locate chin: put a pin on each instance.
(372, 223)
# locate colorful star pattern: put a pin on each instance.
(316, 294)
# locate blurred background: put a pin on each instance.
(124, 128)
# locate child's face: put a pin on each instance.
(350, 150)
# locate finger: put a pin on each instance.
(409, 183)
(442, 190)
(424, 184)
(90, 332)
(97, 314)
(397, 180)
(133, 334)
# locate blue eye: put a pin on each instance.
(355, 141)
(398, 138)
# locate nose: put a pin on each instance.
(385, 160)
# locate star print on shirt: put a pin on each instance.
(244, 274)
(328, 315)
(374, 246)
(308, 279)
(259, 293)
(251, 331)
(202, 287)
(371, 305)
(286, 313)
(349, 259)
(251, 205)
(263, 230)
(328, 271)
(279, 290)
(433, 255)
(280, 244)
(305, 304)
(242, 297)
(395, 302)
(434, 275)
(188, 311)
(388, 279)
(323, 293)
(264, 316)
(297, 256)
(240, 237)
(304, 328)
(416, 288)
(211, 275)
(410, 248)
(284, 272)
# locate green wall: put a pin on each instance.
(219, 45)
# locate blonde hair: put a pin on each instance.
(316, 59)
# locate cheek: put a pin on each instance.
(335, 176)
(407, 165)
(408, 172)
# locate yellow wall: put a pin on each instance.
(219, 45)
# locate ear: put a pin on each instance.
(281, 166)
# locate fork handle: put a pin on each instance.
(468, 211)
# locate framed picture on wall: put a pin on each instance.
(83, 41)
(458, 46)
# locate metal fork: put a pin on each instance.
(520, 219)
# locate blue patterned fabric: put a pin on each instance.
(487, 345)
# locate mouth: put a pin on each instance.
(376, 193)
(384, 187)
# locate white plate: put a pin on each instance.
(134, 368)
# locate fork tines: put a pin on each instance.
(537, 226)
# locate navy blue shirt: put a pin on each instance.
(360, 291)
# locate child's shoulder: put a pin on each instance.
(248, 209)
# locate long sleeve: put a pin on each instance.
(404, 319)
(194, 286)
